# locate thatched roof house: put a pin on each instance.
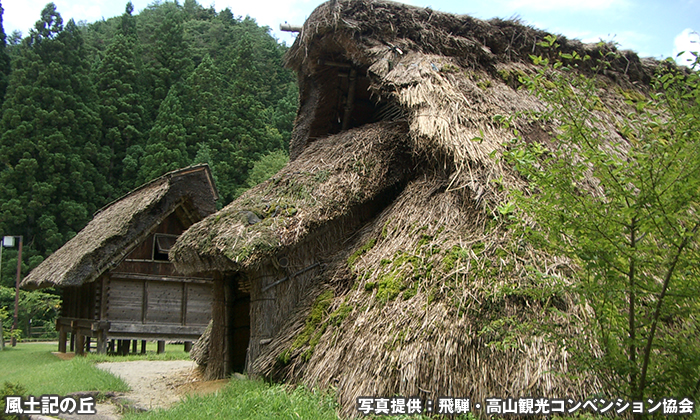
(372, 262)
(116, 278)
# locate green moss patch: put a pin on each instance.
(316, 324)
(361, 251)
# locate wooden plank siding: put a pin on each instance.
(198, 307)
(124, 300)
(143, 297)
(158, 302)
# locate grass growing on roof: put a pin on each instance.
(247, 399)
(33, 366)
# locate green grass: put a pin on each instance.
(40, 372)
(247, 399)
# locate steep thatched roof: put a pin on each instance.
(334, 175)
(431, 296)
(118, 227)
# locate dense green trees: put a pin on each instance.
(4, 59)
(92, 111)
(50, 147)
(121, 100)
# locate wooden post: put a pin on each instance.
(350, 103)
(72, 340)
(228, 305)
(143, 346)
(188, 346)
(125, 347)
(215, 366)
(161, 347)
(134, 346)
(62, 337)
(101, 342)
(79, 344)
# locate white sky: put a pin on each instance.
(656, 28)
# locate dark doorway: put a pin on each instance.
(239, 331)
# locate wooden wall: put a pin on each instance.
(158, 302)
(81, 301)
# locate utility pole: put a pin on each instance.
(6, 241)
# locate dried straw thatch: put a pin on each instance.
(335, 175)
(423, 294)
(118, 227)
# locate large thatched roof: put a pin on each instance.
(118, 227)
(430, 296)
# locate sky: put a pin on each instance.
(652, 28)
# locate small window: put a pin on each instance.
(161, 246)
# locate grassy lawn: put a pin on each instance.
(33, 366)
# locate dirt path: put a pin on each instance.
(154, 384)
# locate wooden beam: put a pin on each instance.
(101, 342)
(123, 328)
(135, 276)
(144, 302)
(183, 305)
(104, 300)
(282, 280)
(350, 103)
(334, 64)
(154, 337)
(286, 27)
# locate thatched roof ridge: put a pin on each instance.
(371, 28)
(122, 224)
(437, 67)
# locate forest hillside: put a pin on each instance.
(92, 110)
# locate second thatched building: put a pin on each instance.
(116, 279)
